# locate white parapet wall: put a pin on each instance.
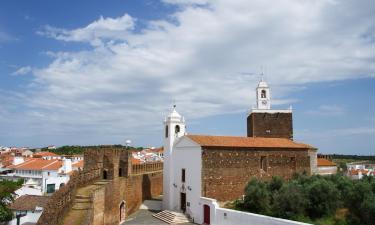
(223, 216)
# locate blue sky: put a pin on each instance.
(95, 72)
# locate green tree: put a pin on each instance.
(323, 198)
(275, 184)
(257, 197)
(7, 189)
(290, 201)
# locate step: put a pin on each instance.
(82, 197)
(83, 200)
(171, 217)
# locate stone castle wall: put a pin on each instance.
(278, 125)
(225, 172)
(115, 166)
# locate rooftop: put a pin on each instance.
(246, 142)
(325, 162)
(29, 202)
(38, 164)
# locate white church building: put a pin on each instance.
(183, 185)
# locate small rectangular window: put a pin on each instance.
(183, 175)
(263, 163)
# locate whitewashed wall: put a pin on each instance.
(187, 155)
(327, 170)
(222, 216)
(31, 217)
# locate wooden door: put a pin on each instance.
(183, 202)
(206, 213)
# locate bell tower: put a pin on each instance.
(266, 122)
(263, 95)
(174, 128)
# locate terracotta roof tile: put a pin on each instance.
(29, 202)
(38, 164)
(79, 164)
(325, 162)
(246, 142)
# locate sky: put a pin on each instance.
(100, 72)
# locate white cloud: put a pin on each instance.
(327, 110)
(96, 32)
(23, 70)
(124, 84)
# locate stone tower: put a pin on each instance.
(174, 128)
(266, 122)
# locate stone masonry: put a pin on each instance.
(109, 184)
(277, 124)
(226, 171)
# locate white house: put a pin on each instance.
(41, 176)
(28, 208)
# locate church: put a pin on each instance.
(201, 167)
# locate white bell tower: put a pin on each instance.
(263, 95)
(174, 128)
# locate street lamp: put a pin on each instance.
(20, 214)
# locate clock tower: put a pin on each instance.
(263, 96)
(266, 122)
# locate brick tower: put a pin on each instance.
(266, 122)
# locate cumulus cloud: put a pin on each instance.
(102, 29)
(23, 70)
(123, 85)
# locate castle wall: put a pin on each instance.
(122, 186)
(277, 125)
(226, 171)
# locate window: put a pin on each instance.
(50, 188)
(263, 163)
(166, 131)
(120, 172)
(183, 175)
(263, 94)
(177, 129)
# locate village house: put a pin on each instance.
(27, 209)
(326, 167)
(41, 176)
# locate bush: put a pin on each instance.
(323, 198)
(290, 201)
(313, 199)
(257, 197)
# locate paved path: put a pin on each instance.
(144, 217)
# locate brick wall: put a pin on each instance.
(225, 172)
(278, 125)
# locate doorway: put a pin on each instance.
(206, 214)
(183, 202)
(105, 175)
(122, 211)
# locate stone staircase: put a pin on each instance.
(171, 217)
(82, 204)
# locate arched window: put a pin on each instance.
(177, 129)
(263, 94)
(166, 131)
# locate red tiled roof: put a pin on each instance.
(136, 161)
(246, 142)
(42, 154)
(79, 164)
(325, 162)
(38, 164)
(29, 202)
